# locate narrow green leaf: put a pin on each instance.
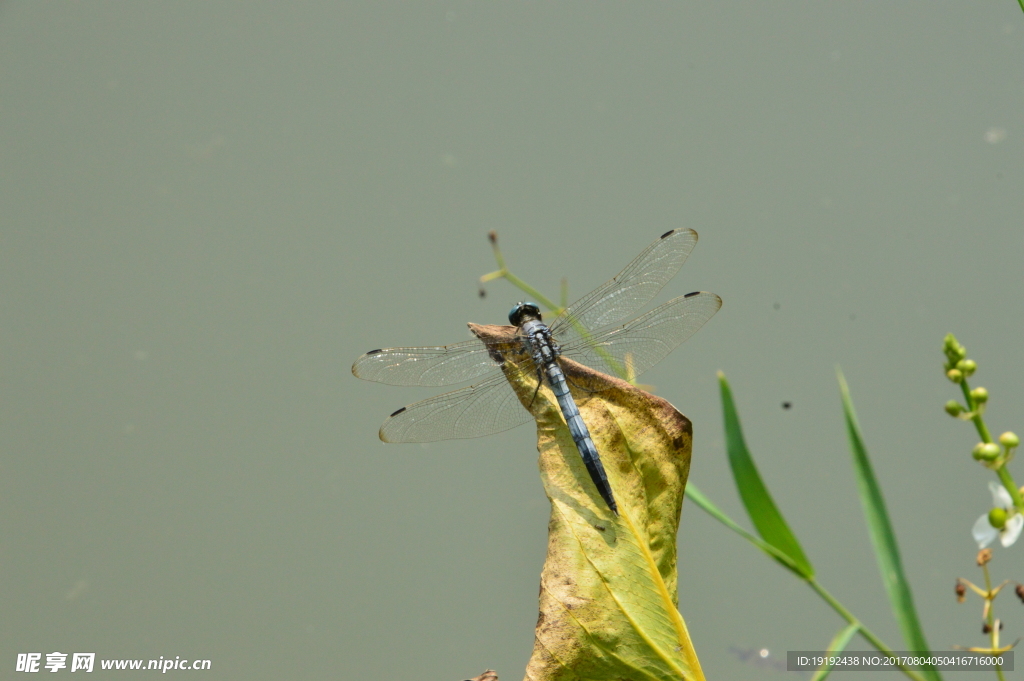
(697, 497)
(837, 645)
(882, 536)
(759, 504)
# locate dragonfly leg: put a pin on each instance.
(537, 389)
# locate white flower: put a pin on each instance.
(983, 531)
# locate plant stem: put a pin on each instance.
(990, 618)
(864, 631)
(1011, 487)
(979, 422)
(503, 272)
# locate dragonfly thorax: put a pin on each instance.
(539, 343)
(521, 312)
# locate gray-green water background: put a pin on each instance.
(209, 209)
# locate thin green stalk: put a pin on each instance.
(1004, 477)
(979, 423)
(990, 617)
(503, 272)
(698, 497)
(864, 631)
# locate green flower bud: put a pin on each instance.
(951, 346)
(1009, 439)
(985, 451)
(997, 518)
(953, 408)
(979, 395)
(954, 375)
(967, 366)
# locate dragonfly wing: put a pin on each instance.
(481, 409)
(640, 344)
(630, 289)
(434, 366)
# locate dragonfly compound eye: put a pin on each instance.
(522, 310)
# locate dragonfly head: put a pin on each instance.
(523, 311)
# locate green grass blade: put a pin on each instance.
(882, 536)
(758, 502)
(837, 645)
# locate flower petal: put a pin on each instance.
(1011, 530)
(1000, 497)
(983, 532)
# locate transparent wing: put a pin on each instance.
(630, 289)
(640, 344)
(481, 409)
(432, 366)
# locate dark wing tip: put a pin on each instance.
(355, 364)
(715, 296)
(381, 434)
(679, 231)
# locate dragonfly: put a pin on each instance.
(589, 332)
